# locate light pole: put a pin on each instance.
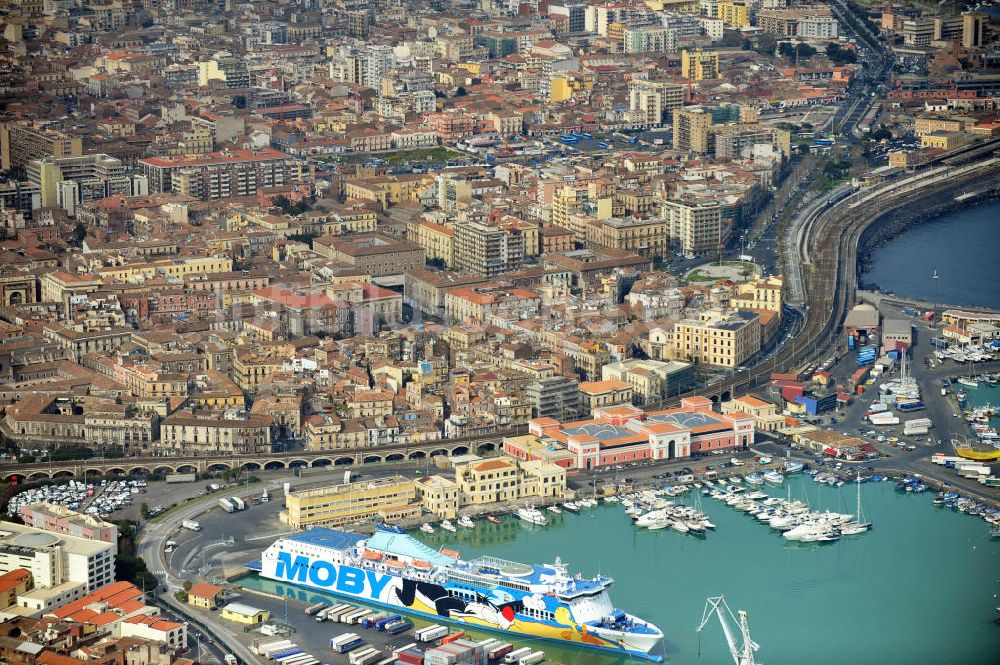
(934, 277)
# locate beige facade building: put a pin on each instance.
(765, 415)
(692, 129)
(437, 240)
(655, 98)
(759, 293)
(695, 228)
(335, 505)
(724, 338)
(506, 479)
(20, 142)
(375, 254)
(439, 495)
(187, 434)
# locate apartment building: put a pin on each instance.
(374, 254)
(63, 567)
(65, 182)
(186, 434)
(723, 338)
(476, 303)
(60, 519)
(21, 142)
(649, 39)
(553, 397)
(759, 293)
(650, 380)
(698, 65)
(341, 504)
(437, 240)
(221, 175)
(657, 99)
(692, 129)
(488, 250)
(695, 228)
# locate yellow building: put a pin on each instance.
(692, 129)
(718, 337)
(437, 240)
(168, 268)
(647, 237)
(944, 140)
(699, 65)
(734, 14)
(439, 495)
(245, 614)
(759, 293)
(340, 504)
(765, 415)
(506, 479)
(204, 595)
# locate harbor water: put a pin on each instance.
(961, 246)
(920, 587)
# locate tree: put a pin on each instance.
(840, 55)
(181, 596)
(187, 585)
(461, 92)
(144, 510)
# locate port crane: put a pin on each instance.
(742, 655)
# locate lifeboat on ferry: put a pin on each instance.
(451, 553)
(394, 563)
(421, 565)
(372, 555)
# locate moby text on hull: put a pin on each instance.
(396, 570)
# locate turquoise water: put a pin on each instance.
(921, 587)
(984, 395)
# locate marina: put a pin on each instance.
(924, 570)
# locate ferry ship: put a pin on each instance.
(395, 570)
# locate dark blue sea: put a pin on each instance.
(963, 247)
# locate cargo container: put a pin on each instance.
(190, 525)
(909, 311)
(285, 653)
(355, 616)
(405, 647)
(385, 621)
(369, 621)
(315, 609)
(906, 407)
(915, 431)
(431, 633)
(334, 613)
(389, 660)
(276, 644)
(457, 635)
(919, 422)
(349, 645)
(365, 656)
(941, 458)
(181, 477)
(532, 658)
(939, 343)
(238, 503)
(342, 639)
(410, 656)
(516, 656)
(499, 651)
(397, 627)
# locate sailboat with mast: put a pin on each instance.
(859, 525)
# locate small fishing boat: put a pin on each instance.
(494, 520)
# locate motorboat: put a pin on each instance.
(426, 528)
(448, 526)
(571, 507)
(531, 515)
(466, 522)
(754, 478)
(554, 509)
(793, 466)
